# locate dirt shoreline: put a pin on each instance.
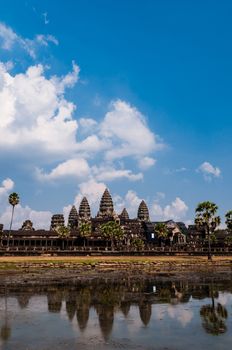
(70, 270)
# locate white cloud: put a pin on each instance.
(9, 40)
(131, 202)
(127, 129)
(180, 314)
(6, 186)
(35, 113)
(146, 162)
(46, 39)
(40, 219)
(88, 124)
(92, 190)
(37, 123)
(108, 173)
(77, 168)
(175, 211)
(209, 171)
(45, 17)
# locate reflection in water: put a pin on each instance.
(106, 301)
(83, 305)
(145, 312)
(55, 300)
(214, 316)
(5, 329)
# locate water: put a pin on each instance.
(108, 315)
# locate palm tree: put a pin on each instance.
(13, 200)
(206, 218)
(161, 231)
(214, 316)
(112, 231)
(85, 230)
(63, 233)
(229, 220)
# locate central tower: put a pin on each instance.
(106, 208)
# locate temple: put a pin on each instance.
(83, 230)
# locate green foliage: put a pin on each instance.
(63, 231)
(112, 231)
(206, 219)
(137, 243)
(13, 199)
(85, 229)
(161, 230)
(214, 318)
(206, 216)
(228, 240)
(213, 238)
(229, 220)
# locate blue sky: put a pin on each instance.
(141, 103)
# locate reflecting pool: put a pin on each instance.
(155, 314)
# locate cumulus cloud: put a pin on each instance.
(6, 186)
(131, 202)
(209, 171)
(91, 189)
(35, 113)
(9, 40)
(77, 168)
(146, 163)
(175, 211)
(88, 124)
(127, 129)
(108, 173)
(40, 219)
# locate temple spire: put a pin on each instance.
(124, 214)
(106, 208)
(73, 218)
(84, 209)
(143, 212)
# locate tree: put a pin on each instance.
(214, 316)
(137, 243)
(13, 200)
(112, 231)
(206, 218)
(229, 220)
(161, 231)
(85, 230)
(63, 233)
(228, 240)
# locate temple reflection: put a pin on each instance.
(108, 298)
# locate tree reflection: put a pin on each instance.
(23, 300)
(5, 332)
(214, 316)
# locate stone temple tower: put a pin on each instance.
(124, 215)
(143, 212)
(106, 208)
(57, 220)
(84, 210)
(73, 218)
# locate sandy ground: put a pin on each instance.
(89, 259)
